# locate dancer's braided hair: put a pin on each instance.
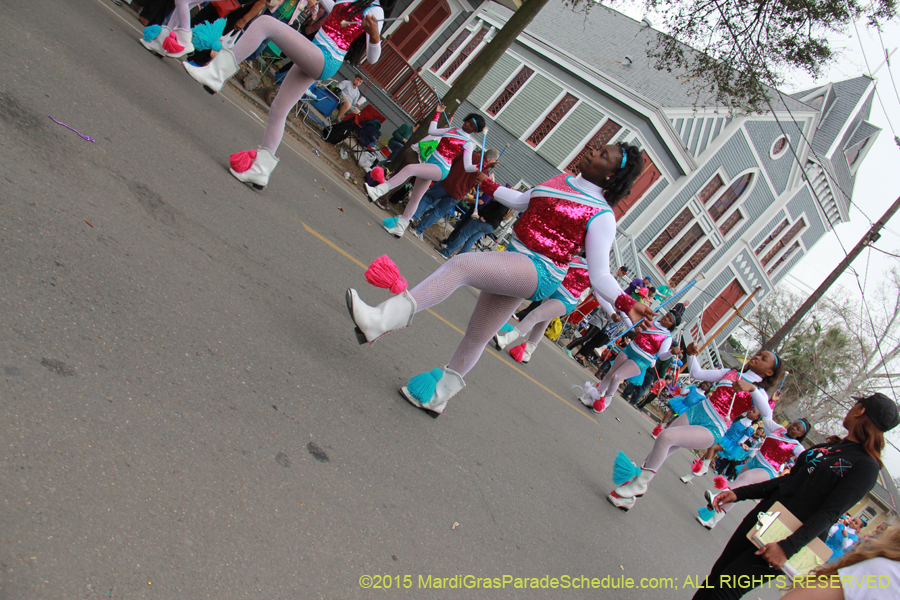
(357, 48)
(618, 186)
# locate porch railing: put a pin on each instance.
(402, 82)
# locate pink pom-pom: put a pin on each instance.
(517, 352)
(243, 160)
(384, 273)
(377, 174)
(600, 404)
(720, 482)
(697, 465)
(171, 45)
(657, 430)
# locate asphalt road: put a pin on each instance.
(185, 411)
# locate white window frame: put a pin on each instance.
(502, 89)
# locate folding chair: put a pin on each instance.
(357, 146)
(316, 105)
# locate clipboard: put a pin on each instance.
(777, 524)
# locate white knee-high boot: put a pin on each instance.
(396, 226)
(154, 44)
(183, 39)
(372, 322)
(214, 75)
(504, 338)
(529, 350)
(625, 496)
(431, 391)
(257, 174)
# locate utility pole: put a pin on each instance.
(870, 238)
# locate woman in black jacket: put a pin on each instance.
(826, 481)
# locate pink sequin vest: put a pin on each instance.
(777, 450)
(651, 340)
(555, 223)
(451, 144)
(722, 395)
(340, 35)
(577, 278)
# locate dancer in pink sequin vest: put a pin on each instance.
(562, 218)
(319, 59)
(707, 421)
(781, 447)
(632, 362)
(454, 141)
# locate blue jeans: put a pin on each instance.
(434, 198)
(473, 231)
(633, 394)
(393, 146)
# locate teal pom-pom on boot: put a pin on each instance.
(422, 386)
(431, 390)
(624, 470)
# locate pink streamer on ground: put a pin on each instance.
(90, 139)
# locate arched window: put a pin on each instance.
(779, 147)
(729, 197)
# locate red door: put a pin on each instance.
(647, 177)
(722, 305)
(423, 22)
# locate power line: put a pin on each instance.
(887, 60)
(806, 176)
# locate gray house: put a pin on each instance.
(721, 194)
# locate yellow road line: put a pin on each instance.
(458, 330)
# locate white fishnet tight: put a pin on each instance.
(181, 16)
(680, 434)
(425, 173)
(308, 64)
(504, 279)
(539, 319)
(621, 369)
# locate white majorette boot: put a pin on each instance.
(214, 75)
(529, 350)
(179, 43)
(522, 353)
(396, 226)
(431, 391)
(709, 520)
(397, 312)
(374, 193)
(589, 393)
(153, 37)
(253, 167)
(502, 339)
(625, 496)
(372, 322)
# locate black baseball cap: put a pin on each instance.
(881, 410)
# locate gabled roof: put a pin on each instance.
(848, 95)
(864, 131)
(603, 37)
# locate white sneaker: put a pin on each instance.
(418, 235)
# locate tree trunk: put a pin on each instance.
(486, 59)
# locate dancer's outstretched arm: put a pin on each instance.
(513, 199)
(601, 233)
